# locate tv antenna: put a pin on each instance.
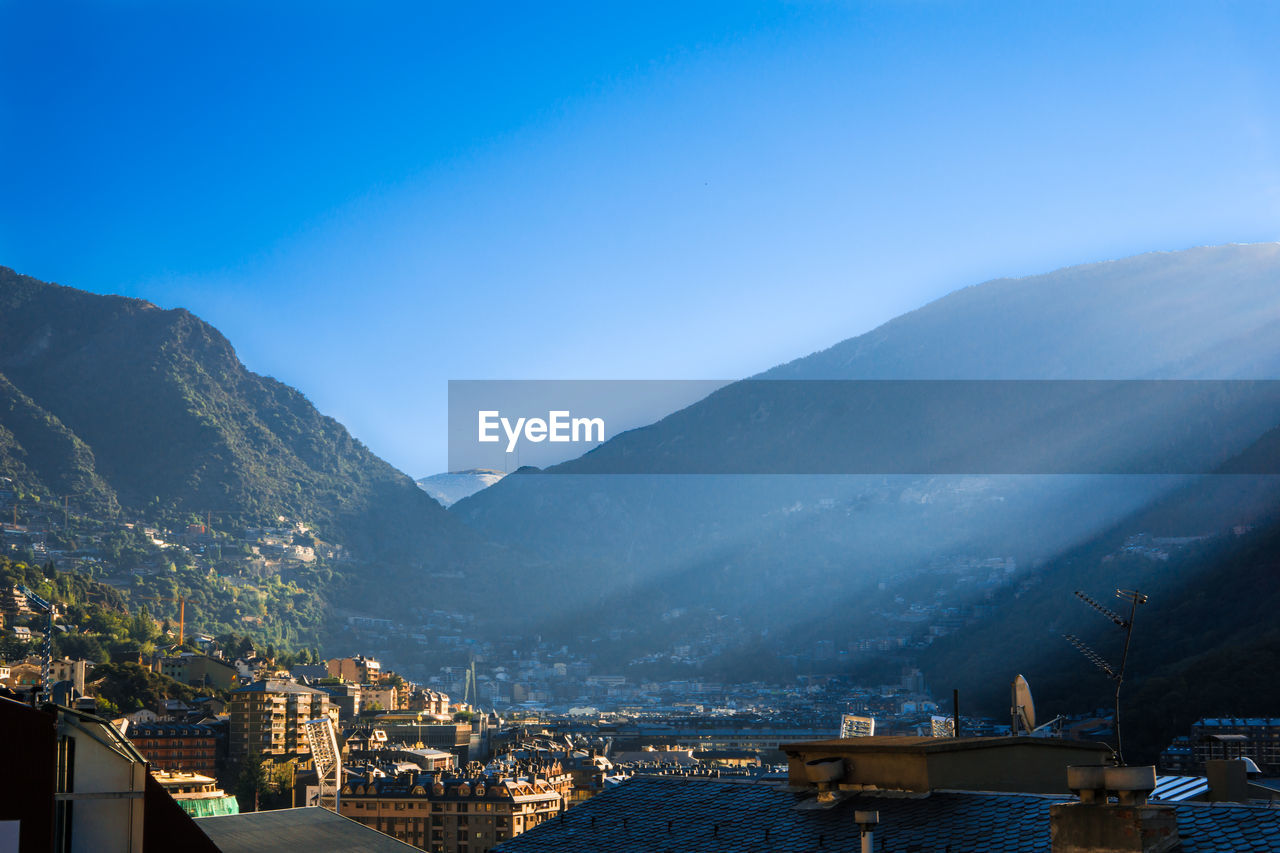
(1023, 712)
(1116, 674)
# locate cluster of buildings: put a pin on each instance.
(451, 813)
(445, 777)
(990, 794)
(1217, 738)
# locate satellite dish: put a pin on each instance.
(1024, 708)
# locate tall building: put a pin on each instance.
(1257, 738)
(267, 717)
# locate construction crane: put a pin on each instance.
(66, 508)
(182, 610)
(46, 665)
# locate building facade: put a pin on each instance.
(176, 746)
(360, 669)
(267, 718)
(445, 814)
(1238, 737)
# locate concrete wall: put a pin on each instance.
(1028, 765)
(113, 821)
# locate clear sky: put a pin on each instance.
(371, 199)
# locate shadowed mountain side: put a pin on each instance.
(1209, 312)
(38, 451)
(1197, 643)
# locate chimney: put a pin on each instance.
(1098, 825)
(1228, 781)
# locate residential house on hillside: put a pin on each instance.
(359, 669)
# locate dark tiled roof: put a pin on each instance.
(313, 830)
(276, 685)
(694, 815)
(1228, 826)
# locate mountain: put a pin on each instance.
(1203, 313)
(452, 487)
(822, 556)
(132, 408)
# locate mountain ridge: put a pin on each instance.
(171, 417)
(781, 546)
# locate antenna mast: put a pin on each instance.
(1115, 674)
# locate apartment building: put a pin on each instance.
(360, 669)
(450, 814)
(176, 746)
(267, 717)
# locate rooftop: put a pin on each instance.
(315, 830)
(277, 685)
(693, 815)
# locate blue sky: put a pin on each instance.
(371, 200)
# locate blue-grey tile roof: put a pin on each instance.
(694, 815)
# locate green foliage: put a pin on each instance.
(13, 649)
(81, 647)
(131, 687)
(167, 418)
(263, 785)
(157, 420)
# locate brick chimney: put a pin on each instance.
(1097, 825)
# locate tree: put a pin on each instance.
(81, 646)
(142, 628)
(11, 648)
(250, 782)
(264, 783)
(243, 648)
